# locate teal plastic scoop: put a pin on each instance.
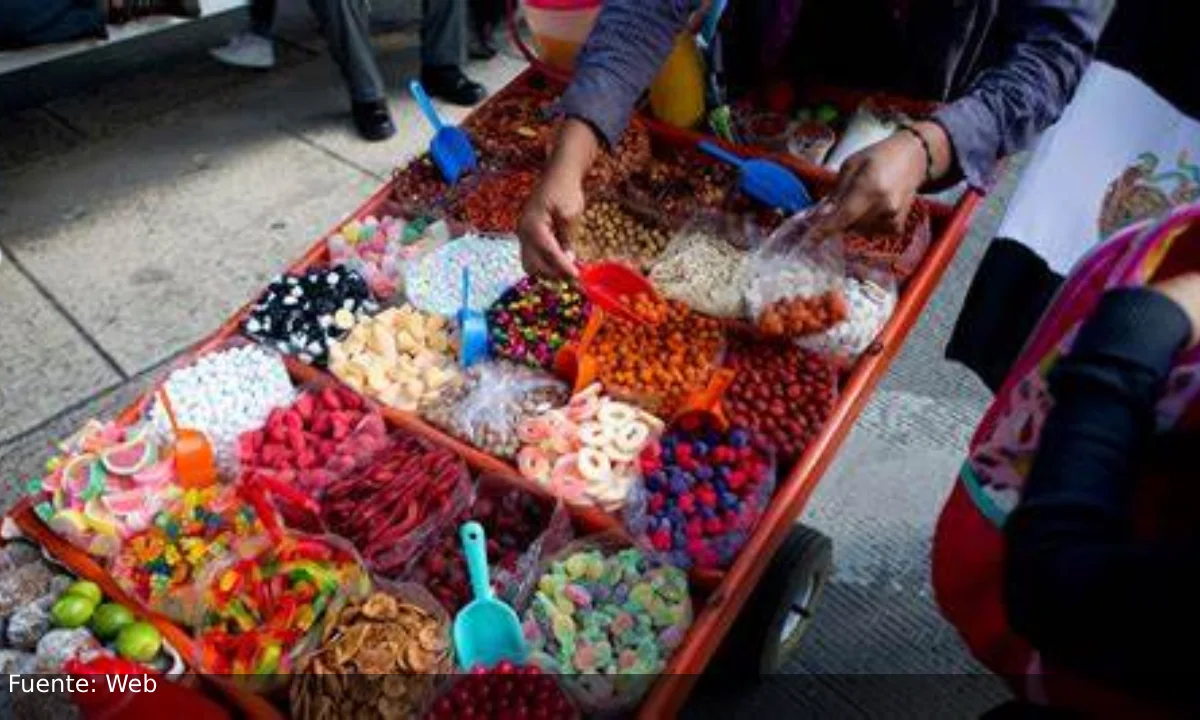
(486, 631)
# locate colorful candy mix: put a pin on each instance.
(108, 484)
(531, 321)
(657, 364)
(586, 452)
(376, 249)
(381, 658)
(506, 690)
(378, 509)
(706, 487)
(223, 394)
(161, 564)
(513, 521)
(607, 621)
(302, 314)
(488, 407)
(783, 393)
(401, 357)
(261, 612)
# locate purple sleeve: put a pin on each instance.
(1044, 47)
(618, 62)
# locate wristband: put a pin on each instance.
(924, 146)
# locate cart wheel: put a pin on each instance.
(780, 610)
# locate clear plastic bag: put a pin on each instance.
(497, 396)
(377, 681)
(871, 295)
(702, 264)
(586, 452)
(520, 528)
(260, 613)
(390, 509)
(606, 616)
(433, 279)
(163, 564)
(793, 281)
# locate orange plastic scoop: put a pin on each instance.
(195, 463)
(611, 286)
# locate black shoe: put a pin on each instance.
(448, 83)
(373, 120)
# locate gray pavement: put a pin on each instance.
(138, 211)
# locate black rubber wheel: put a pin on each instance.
(780, 610)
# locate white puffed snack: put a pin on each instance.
(224, 394)
(701, 271)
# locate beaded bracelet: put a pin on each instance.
(924, 145)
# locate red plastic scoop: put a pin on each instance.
(611, 286)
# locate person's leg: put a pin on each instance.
(253, 49)
(444, 50)
(346, 26)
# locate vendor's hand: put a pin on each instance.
(545, 226)
(557, 203)
(1185, 291)
(878, 185)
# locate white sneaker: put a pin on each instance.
(248, 51)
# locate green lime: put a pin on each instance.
(108, 620)
(71, 611)
(138, 641)
(86, 589)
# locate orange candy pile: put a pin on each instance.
(659, 363)
(799, 316)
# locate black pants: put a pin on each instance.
(1011, 291)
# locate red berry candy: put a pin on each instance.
(503, 691)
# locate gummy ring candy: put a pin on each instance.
(631, 437)
(533, 431)
(615, 414)
(583, 406)
(594, 434)
(594, 465)
(534, 464)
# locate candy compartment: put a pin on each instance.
(164, 564)
(492, 201)
(391, 509)
(515, 129)
(495, 398)
(606, 615)
(702, 265)
(620, 229)
(532, 320)
(392, 648)
(260, 614)
(706, 486)
(520, 527)
(328, 433)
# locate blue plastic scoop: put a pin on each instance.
(451, 148)
(472, 327)
(486, 631)
(767, 182)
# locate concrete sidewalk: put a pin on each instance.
(138, 213)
